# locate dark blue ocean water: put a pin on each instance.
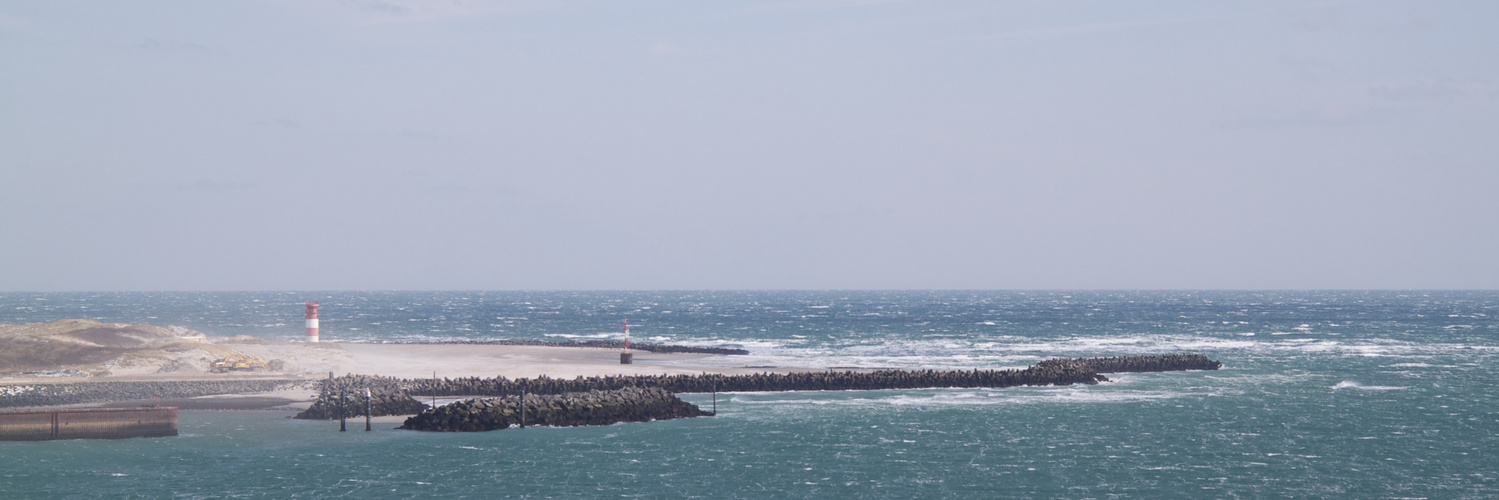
(1325, 394)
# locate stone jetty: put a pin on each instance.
(390, 394)
(387, 397)
(87, 423)
(35, 395)
(1124, 364)
(763, 382)
(630, 404)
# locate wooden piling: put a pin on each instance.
(369, 408)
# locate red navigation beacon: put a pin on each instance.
(312, 321)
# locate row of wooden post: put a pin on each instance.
(343, 409)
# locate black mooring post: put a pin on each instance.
(715, 398)
(369, 409)
(343, 410)
(523, 408)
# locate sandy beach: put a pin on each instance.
(479, 360)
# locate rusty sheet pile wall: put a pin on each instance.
(88, 423)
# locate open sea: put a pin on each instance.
(1348, 394)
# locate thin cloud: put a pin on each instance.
(1091, 28)
(1323, 115)
(221, 186)
(156, 44)
(1087, 28)
(663, 48)
(409, 11)
(19, 26)
(277, 123)
(1307, 68)
(824, 5)
(1437, 89)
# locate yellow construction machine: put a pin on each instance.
(238, 363)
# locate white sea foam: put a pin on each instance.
(1019, 352)
(750, 344)
(1069, 394)
(958, 397)
(609, 335)
(1349, 384)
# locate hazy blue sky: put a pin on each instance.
(748, 145)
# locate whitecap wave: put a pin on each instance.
(955, 397)
(1349, 384)
(610, 335)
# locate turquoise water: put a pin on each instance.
(1325, 394)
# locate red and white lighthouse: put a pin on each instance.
(312, 321)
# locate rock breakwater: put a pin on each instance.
(1124, 364)
(848, 380)
(391, 394)
(36, 395)
(346, 396)
(631, 404)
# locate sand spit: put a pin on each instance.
(599, 344)
(65, 362)
(85, 350)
